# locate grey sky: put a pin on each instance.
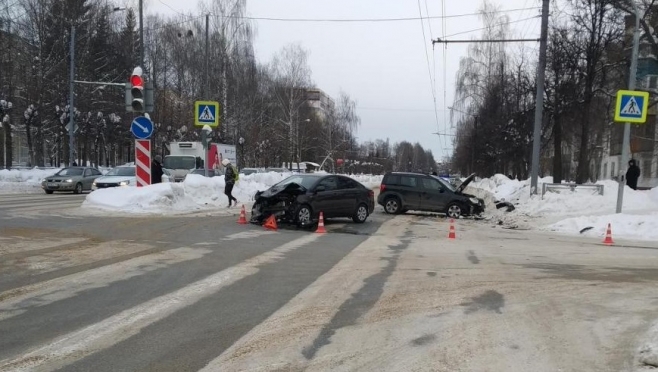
(382, 65)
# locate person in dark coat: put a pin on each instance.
(632, 174)
(156, 170)
(230, 175)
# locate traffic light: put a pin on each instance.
(137, 90)
(139, 93)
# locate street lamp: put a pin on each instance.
(241, 142)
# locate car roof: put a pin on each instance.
(408, 173)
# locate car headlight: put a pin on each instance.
(69, 180)
(474, 200)
(124, 183)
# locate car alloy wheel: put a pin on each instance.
(78, 189)
(392, 206)
(361, 214)
(304, 215)
(454, 211)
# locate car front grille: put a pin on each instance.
(106, 185)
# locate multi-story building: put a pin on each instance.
(320, 103)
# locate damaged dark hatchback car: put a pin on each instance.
(300, 198)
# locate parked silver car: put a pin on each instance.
(76, 179)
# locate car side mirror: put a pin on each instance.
(320, 188)
(442, 190)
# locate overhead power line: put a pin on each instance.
(370, 19)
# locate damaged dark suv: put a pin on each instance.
(300, 198)
(400, 192)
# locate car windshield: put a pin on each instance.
(306, 181)
(179, 162)
(445, 184)
(122, 171)
(70, 172)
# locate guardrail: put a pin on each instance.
(545, 187)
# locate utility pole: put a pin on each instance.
(632, 75)
(71, 95)
(475, 137)
(206, 86)
(539, 101)
(141, 35)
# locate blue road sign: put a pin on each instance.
(632, 106)
(206, 113)
(142, 127)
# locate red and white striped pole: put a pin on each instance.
(143, 162)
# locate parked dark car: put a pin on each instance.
(300, 198)
(76, 179)
(401, 192)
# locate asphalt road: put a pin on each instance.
(201, 292)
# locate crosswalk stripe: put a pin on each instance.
(309, 311)
(19, 300)
(18, 244)
(80, 343)
(41, 205)
(71, 256)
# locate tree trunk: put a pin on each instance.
(557, 149)
(8, 146)
(30, 143)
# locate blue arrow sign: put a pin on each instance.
(142, 127)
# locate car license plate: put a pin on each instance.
(52, 184)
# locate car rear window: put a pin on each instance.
(392, 180)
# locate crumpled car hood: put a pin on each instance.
(289, 189)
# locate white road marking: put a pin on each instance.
(83, 342)
(248, 234)
(82, 253)
(20, 244)
(19, 300)
(279, 340)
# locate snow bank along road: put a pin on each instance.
(207, 294)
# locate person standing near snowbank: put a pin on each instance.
(230, 176)
(632, 174)
(156, 170)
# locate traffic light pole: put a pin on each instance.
(141, 35)
(71, 95)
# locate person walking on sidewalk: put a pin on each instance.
(230, 177)
(632, 174)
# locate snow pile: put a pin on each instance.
(628, 226)
(195, 193)
(566, 202)
(159, 198)
(369, 181)
(23, 180)
(572, 211)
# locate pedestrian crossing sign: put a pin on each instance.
(631, 106)
(206, 113)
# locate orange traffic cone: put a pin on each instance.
(608, 236)
(243, 216)
(451, 234)
(321, 229)
(270, 223)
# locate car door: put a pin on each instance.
(87, 179)
(325, 196)
(348, 193)
(95, 173)
(410, 190)
(433, 196)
